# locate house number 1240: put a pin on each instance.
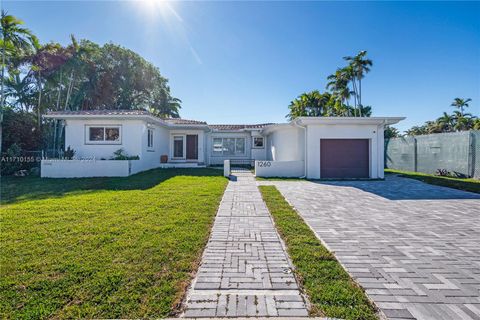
(264, 164)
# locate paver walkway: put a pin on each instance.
(414, 247)
(245, 270)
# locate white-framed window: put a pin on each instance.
(150, 138)
(228, 146)
(258, 142)
(178, 142)
(103, 134)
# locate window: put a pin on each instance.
(178, 146)
(103, 134)
(150, 139)
(239, 146)
(258, 142)
(217, 146)
(228, 146)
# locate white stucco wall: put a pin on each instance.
(259, 153)
(150, 157)
(131, 132)
(279, 169)
(286, 144)
(372, 132)
(85, 168)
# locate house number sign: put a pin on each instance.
(264, 164)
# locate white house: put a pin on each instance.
(315, 148)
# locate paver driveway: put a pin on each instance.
(414, 247)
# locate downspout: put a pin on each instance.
(382, 133)
(305, 148)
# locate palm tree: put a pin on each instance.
(310, 104)
(447, 122)
(463, 121)
(476, 124)
(416, 130)
(15, 39)
(461, 103)
(338, 83)
(360, 66)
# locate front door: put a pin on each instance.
(192, 147)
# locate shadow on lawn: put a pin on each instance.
(14, 189)
(400, 188)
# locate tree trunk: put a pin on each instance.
(39, 113)
(1, 94)
(59, 91)
(54, 147)
(360, 94)
(69, 90)
(354, 95)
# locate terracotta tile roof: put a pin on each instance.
(238, 126)
(99, 112)
(182, 121)
(175, 121)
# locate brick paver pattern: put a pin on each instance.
(245, 270)
(414, 247)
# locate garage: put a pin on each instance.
(344, 158)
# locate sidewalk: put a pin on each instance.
(245, 271)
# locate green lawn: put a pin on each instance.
(103, 248)
(472, 185)
(329, 287)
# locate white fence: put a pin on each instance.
(86, 168)
(287, 169)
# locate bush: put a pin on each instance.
(121, 155)
(21, 128)
(11, 160)
(69, 153)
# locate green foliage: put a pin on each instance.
(121, 155)
(329, 287)
(69, 153)
(391, 132)
(457, 121)
(11, 160)
(79, 76)
(20, 127)
(104, 248)
(461, 104)
(84, 75)
(345, 84)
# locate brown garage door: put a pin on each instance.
(344, 158)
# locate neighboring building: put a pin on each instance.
(334, 147)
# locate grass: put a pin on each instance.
(103, 248)
(329, 287)
(471, 185)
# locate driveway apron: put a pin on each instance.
(245, 270)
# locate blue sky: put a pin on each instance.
(243, 62)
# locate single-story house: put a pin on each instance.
(311, 147)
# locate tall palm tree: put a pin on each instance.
(360, 66)
(338, 83)
(14, 39)
(461, 103)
